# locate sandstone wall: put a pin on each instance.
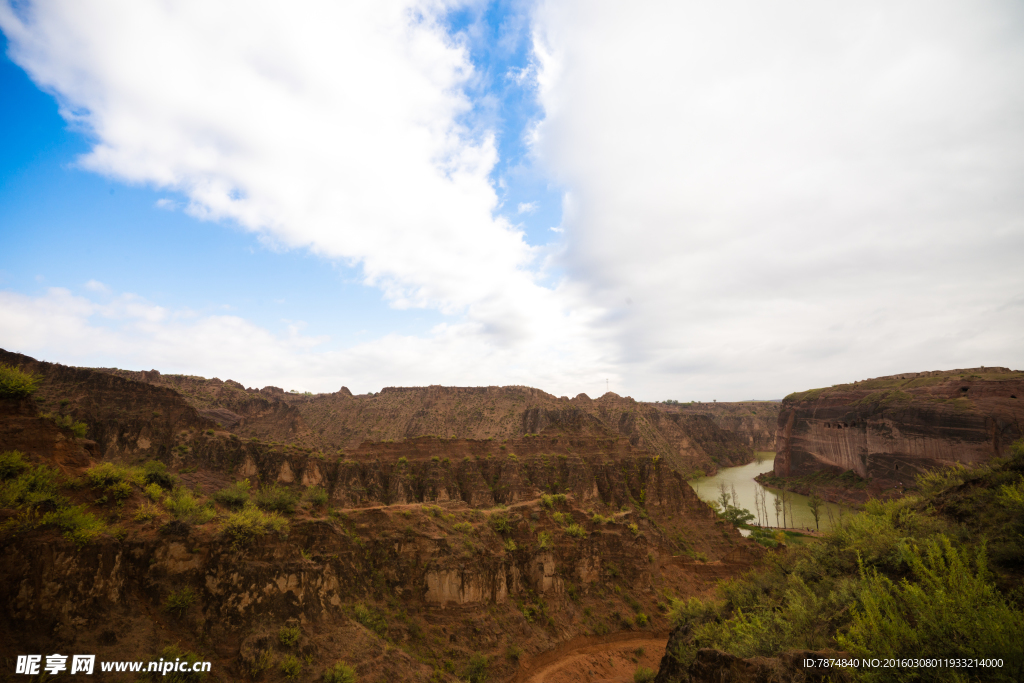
(896, 427)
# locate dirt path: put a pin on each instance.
(596, 659)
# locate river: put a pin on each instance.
(798, 515)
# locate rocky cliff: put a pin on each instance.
(754, 422)
(892, 428)
(689, 441)
(408, 559)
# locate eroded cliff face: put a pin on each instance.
(753, 422)
(893, 428)
(688, 440)
(404, 572)
(124, 417)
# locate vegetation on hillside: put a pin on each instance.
(15, 383)
(932, 575)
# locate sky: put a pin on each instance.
(668, 200)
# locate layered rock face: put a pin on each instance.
(753, 422)
(892, 428)
(688, 440)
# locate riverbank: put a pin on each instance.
(744, 489)
(840, 488)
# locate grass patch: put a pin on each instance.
(12, 463)
(316, 496)
(289, 635)
(291, 666)
(77, 524)
(340, 673)
(276, 498)
(16, 383)
(32, 487)
(576, 531)
(371, 618)
(250, 523)
(186, 507)
(235, 496)
(179, 602)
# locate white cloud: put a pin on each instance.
(133, 333)
(791, 194)
(526, 207)
(332, 127)
(166, 204)
(761, 197)
(97, 286)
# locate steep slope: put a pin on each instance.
(892, 428)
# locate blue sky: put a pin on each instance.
(686, 202)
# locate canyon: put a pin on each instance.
(432, 531)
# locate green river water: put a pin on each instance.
(798, 515)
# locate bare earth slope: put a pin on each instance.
(891, 428)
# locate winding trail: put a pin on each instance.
(596, 659)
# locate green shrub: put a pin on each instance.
(547, 501)
(576, 531)
(234, 496)
(276, 498)
(186, 507)
(146, 512)
(155, 472)
(250, 522)
(372, 619)
(78, 524)
(598, 519)
(317, 496)
(476, 670)
(107, 474)
(153, 492)
(948, 608)
(289, 635)
(291, 666)
(634, 529)
(561, 518)
(15, 383)
(514, 652)
(12, 463)
(120, 490)
(178, 602)
(31, 488)
(510, 546)
(641, 619)
(543, 540)
(501, 524)
(463, 527)
(643, 675)
(559, 498)
(340, 673)
(66, 422)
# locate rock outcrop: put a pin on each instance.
(892, 428)
(754, 422)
